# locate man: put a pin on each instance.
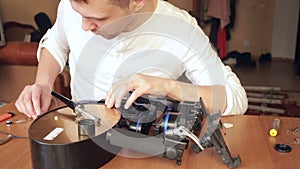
(143, 46)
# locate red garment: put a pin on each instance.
(222, 47)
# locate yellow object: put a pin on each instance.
(273, 132)
(275, 126)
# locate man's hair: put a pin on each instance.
(119, 3)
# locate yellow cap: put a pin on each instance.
(273, 132)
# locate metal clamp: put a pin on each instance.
(182, 131)
(81, 112)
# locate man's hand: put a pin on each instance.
(139, 84)
(214, 96)
(34, 100)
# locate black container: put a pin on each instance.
(68, 150)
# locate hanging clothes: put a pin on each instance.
(222, 45)
(213, 35)
(222, 21)
(220, 9)
(232, 14)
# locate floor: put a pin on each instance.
(278, 74)
(275, 73)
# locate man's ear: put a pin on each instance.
(136, 5)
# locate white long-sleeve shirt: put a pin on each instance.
(170, 43)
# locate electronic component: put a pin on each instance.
(167, 127)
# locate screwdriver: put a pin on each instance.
(275, 126)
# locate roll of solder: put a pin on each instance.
(275, 126)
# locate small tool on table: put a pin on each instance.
(9, 122)
(8, 137)
(275, 126)
(6, 116)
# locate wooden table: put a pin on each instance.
(248, 138)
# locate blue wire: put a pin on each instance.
(137, 124)
(166, 122)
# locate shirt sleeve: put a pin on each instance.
(206, 68)
(237, 102)
(55, 39)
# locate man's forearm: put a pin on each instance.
(214, 97)
(48, 69)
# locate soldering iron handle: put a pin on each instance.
(64, 99)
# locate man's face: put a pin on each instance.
(102, 18)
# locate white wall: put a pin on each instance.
(23, 11)
(285, 28)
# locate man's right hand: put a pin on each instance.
(34, 100)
